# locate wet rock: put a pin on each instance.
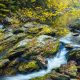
(27, 67)
(57, 76)
(68, 46)
(1, 36)
(33, 28)
(3, 63)
(8, 71)
(21, 52)
(8, 20)
(23, 42)
(9, 42)
(53, 76)
(75, 26)
(40, 30)
(75, 34)
(42, 61)
(29, 24)
(17, 31)
(12, 22)
(38, 46)
(13, 63)
(14, 52)
(78, 76)
(69, 69)
(15, 55)
(74, 55)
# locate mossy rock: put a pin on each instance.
(28, 66)
(69, 69)
(75, 25)
(33, 47)
(74, 55)
(1, 35)
(13, 63)
(3, 63)
(51, 48)
(9, 71)
(40, 30)
(53, 76)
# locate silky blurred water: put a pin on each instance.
(54, 62)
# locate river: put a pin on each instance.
(53, 62)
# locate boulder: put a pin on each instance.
(45, 46)
(27, 55)
(69, 69)
(26, 67)
(74, 55)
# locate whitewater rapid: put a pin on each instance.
(54, 62)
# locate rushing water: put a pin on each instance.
(1, 26)
(55, 61)
(52, 63)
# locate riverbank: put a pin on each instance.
(39, 40)
(55, 62)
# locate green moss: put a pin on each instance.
(73, 70)
(42, 78)
(52, 76)
(24, 67)
(51, 48)
(2, 5)
(40, 30)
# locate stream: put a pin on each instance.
(54, 62)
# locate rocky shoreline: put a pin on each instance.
(26, 53)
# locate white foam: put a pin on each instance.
(1, 26)
(55, 61)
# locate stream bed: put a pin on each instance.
(53, 62)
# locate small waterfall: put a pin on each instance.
(53, 62)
